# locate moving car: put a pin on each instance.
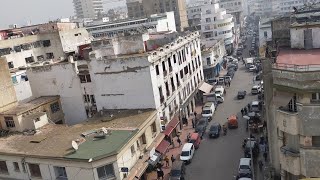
(187, 152)
(233, 122)
(214, 130)
(256, 89)
(178, 170)
(201, 126)
(242, 94)
(245, 169)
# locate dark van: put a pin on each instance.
(178, 170)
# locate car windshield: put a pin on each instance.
(206, 112)
(185, 153)
(244, 167)
(214, 128)
(175, 173)
(192, 141)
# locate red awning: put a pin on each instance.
(171, 126)
(163, 146)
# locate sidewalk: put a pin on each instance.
(177, 150)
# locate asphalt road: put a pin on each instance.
(218, 159)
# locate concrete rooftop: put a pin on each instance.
(299, 57)
(55, 140)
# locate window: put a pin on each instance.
(40, 58)
(78, 34)
(157, 70)
(49, 55)
(265, 34)
(16, 167)
(208, 20)
(29, 59)
(93, 99)
(154, 127)
(181, 73)
(174, 59)
(106, 172)
(167, 88)
(85, 78)
(9, 122)
(133, 150)
(315, 97)
(46, 43)
(163, 66)
(34, 170)
(86, 98)
(292, 106)
(60, 173)
(3, 167)
(172, 84)
(10, 64)
(208, 61)
(55, 107)
(186, 71)
(177, 78)
(14, 79)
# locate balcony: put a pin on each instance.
(290, 160)
(297, 76)
(310, 157)
(287, 121)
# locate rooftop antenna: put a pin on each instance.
(74, 145)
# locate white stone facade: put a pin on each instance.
(87, 8)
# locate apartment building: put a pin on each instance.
(145, 8)
(262, 8)
(38, 44)
(88, 8)
(214, 21)
(154, 23)
(212, 59)
(265, 32)
(238, 8)
(292, 101)
(154, 70)
(287, 6)
(108, 147)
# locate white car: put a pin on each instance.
(245, 169)
(252, 68)
(255, 89)
(187, 152)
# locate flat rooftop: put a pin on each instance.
(32, 104)
(299, 56)
(54, 141)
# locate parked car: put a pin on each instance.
(202, 125)
(255, 106)
(242, 94)
(232, 67)
(220, 81)
(214, 130)
(256, 89)
(178, 170)
(252, 68)
(212, 81)
(227, 78)
(187, 152)
(208, 110)
(195, 139)
(245, 169)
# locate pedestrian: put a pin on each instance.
(188, 137)
(225, 83)
(172, 143)
(260, 165)
(245, 110)
(172, 159)
(161, 174)
(195, 115)
(242, 111)
(193, 124)
(158, 173)
(265, 155)
(229, 83)
(179, 141)
(253, 80)
(248, 107)
(166, 159)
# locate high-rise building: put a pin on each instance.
(144, 8)
(87, 8)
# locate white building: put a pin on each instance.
(286, 6)
(217, 24)
(238, 8)
(265, 32)
(94, 150)
(39, 44)
(263, 8)
(154, 23)
(87, 8)
(149, 71)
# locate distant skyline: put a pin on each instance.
(39, 11)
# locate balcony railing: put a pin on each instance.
(294, 67)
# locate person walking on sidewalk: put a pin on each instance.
(179, 141)
(167, 161)
(260, 165)
(172, 143)
(229, 83)
(242, 111)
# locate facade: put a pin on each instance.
(154, 23)
(262, 8)
(265, 32)
(98, 149)
(145, 8)
(238, 8)
(87, 8)
(216, 24)
(286, 6)
(212, 59)
(162, 73)
(291, 98)
(39, 44)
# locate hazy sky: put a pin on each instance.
(37, 11)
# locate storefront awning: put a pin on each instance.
(281, 98)
(171, 126)
(163, 146)
(205, 87)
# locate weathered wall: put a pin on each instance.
(310, 162)
(21, 87)
(297, 38)
(60, 79)
(122, 83)
(71, 39)
(7, 93)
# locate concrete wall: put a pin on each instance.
(22, 86)
(297, 38)
(7, 93)
(71, 39)
(310, 162)
(262, 38)
(60, 79)
(122, 83)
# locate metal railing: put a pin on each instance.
(296, 68)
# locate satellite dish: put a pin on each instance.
(75, 145)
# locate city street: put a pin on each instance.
(219, 158)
